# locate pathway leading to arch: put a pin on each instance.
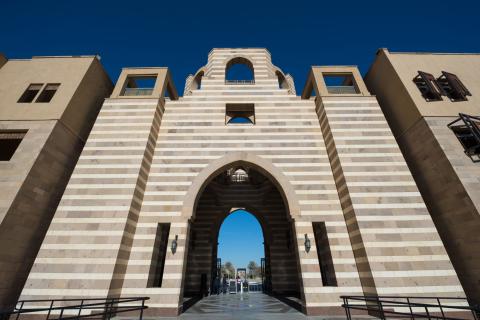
(253, 306)
(241, 306)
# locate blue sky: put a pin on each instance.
(179, 34)
(240, 239)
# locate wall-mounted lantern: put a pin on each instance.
(174, 244)
(307, 243)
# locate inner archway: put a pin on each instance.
(240, 246)
(247, 188)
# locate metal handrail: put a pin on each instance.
(106, 307)
(342, 89)
(239, 81)
(137, 91)
(384, 306)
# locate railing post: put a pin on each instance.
(380, 308)
(410, 307)
(111, 309)
(141, 310)
(105, 312)
(80, 309)
(21, 307)
(345, 307)
(61, 313)
(441, 309)
(428, 313)
(50, 309)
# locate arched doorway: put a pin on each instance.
(242, 185)
(240, 245)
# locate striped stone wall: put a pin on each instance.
(88, 244)
(287, 135)
(397, 247)
(145, 163)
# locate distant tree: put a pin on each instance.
(229, 269)
(253, 270)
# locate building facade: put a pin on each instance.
(47, 108)
(159, 173)
(432, 104)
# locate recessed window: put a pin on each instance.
(139, 85)
(340, 83)
(453, 87)
(159, 255)
(428, 86)
(467, 130)
(31, 92)
(48, 92)
(9, 142)
(239, 70)
(324, 254)
(240, 114)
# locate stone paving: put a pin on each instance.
(244, 307)
(240, 306)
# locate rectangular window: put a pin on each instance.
(139, 85)
(240, 113)
(159, 254)
(467, 130)
(428, 86)
(30, 93)
(324, 254)
(9, 142)
(48, 92)
(453, 87)
(340, 83)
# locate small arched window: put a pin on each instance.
(239, 70)
(197, 81)
(282, 81)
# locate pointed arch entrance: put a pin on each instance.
(249, 182)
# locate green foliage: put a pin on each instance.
(229, 269)
(253, 270)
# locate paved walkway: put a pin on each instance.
(253, 306)
(240, 306)
(248, 306)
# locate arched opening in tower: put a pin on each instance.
(247, 189)
(239, 70)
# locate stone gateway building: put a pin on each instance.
(159, 173)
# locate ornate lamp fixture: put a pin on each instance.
(174, 244)
(307, 243)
